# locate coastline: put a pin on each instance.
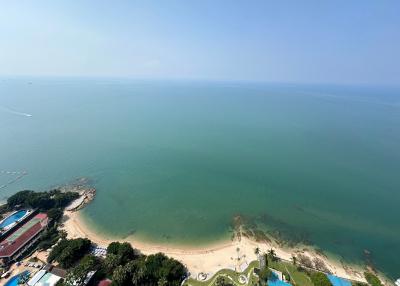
(208, 258)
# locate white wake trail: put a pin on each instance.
(9, 110)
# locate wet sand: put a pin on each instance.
(208, 259)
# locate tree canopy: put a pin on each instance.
(123, 251)
(69, 251)
(222, 281)
(320, 279)
(126, 267)
(42, 200)
(372, 279)
(77, 275)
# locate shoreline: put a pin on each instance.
(212, 257)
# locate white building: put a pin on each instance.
(48, 276)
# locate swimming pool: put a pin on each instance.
(274, 281)
(337, 281)
(13, 218)
(13, 281)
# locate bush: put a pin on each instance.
(264, 274)
(304, 260)
(372, 279)
(287, 275)
(320, 279)
(319, 264)
(222, 281)
(4, 209)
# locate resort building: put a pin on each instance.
(48, 276)
(12, 221)
(22, 238)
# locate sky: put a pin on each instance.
(318, 41)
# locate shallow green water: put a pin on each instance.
(175, 162)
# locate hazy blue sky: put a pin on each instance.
(292, 41)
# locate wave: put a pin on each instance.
(9, 110)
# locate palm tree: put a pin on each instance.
(257, 251)
(24, 279)
(162, 282)
(237, 250)
(272, 254)
(138, 276)
(266, 259)
(294, 260)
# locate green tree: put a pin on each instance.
(20, 198)
(294, 260)
(162, 282)
(221, 281)
(264, 274)
(123, 251)
(61, 200)
(272, 254)
(139, 275)
(78, 274)
(41, 200)
(111, 262)
(320, 279)
(49, 237)
(127, 267)
(55, 214)
(120, 276)
(69, 251)
(372, 279)
(266, 260)
(159, 266)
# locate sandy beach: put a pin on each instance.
(234, 254)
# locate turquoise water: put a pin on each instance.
(12, 218)
(274, 281)
(174, 162)
(337, 281)
(13, 281)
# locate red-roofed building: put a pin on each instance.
(15, 244)
(105, 282)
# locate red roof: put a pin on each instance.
(41, 216)
(105, 282)
(10, 247)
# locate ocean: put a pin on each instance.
(176, 161)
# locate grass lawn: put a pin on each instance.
(298, 278)
(230, 274)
